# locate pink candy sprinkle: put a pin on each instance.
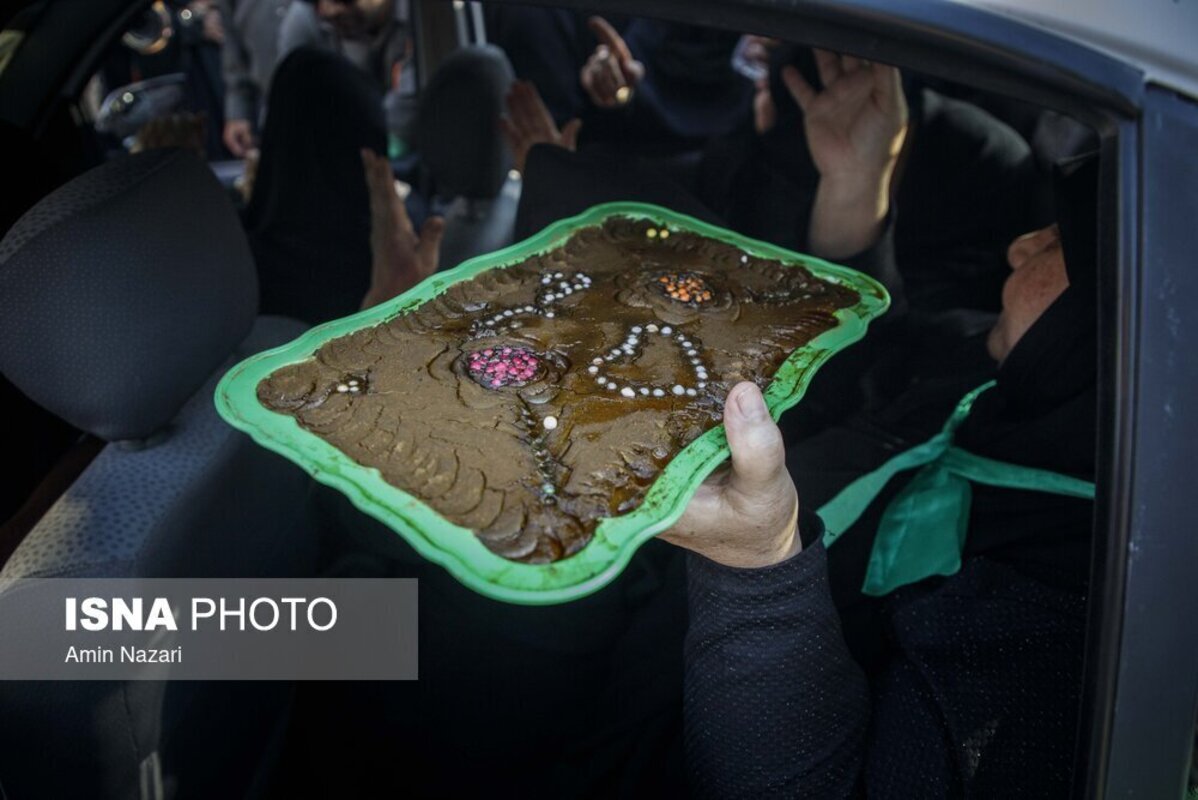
(501, 367)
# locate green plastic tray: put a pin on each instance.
(617, 538)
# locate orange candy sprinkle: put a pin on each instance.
(685, 288)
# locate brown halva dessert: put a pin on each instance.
(533, 401)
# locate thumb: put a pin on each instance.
(758, 455)
(570, 133)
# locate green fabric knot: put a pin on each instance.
(922, 531)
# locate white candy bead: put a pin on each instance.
(549, 422)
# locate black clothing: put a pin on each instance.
(973, 679)
(581, 700)
(978, 697)
(309, 216)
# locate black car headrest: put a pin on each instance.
(457, 125)
(122, 291)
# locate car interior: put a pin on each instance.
(128, 287)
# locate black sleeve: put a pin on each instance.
(774, 704)
(879, 262)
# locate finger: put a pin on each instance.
(614, 78)
(543, 118)
(233, 142)
(597, 78)
(517, 107)
(378, 185)
(603, 86)
(615, 72)
(511, 136)
(379, 174)
(570, 134)
(851, 88)
(383, 190)
(758, 455)
(429, 248)
(607, 35)
(888, 83)
(533, 114)
(368, 171)
(798, 87)
(399, 209)
(765, 113)
(850, 64)
(828, 64)
(515, 112)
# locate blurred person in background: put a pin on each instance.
(309, 219)
(249, 56)
(374, 35)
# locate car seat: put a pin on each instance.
(124, 295)
(458, 137)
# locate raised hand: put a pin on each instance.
(528, 122)
(855, 130)
(400, 257)
(745, 516)
(856, 125)
(611, 74)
